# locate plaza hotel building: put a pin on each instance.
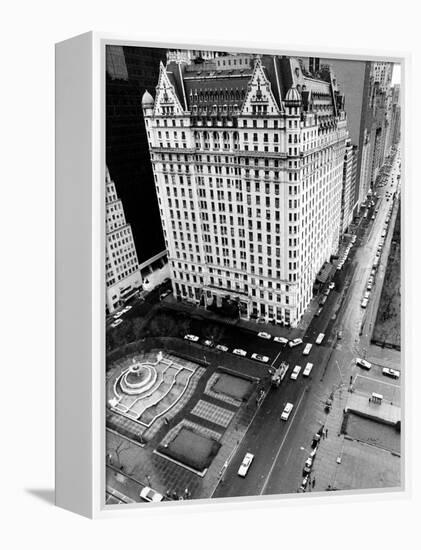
(248, 157)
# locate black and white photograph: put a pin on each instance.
(253, 274)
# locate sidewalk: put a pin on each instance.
(252, 326)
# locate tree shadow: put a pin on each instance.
(47, 495)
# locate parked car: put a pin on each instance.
(323, 299)
(295, 372)
(281, 340)
(339, 335)
(369, 286)
(264, 335)
(261, 358)
(318, 312)
(208, 343)
(295, 342)
(363, 363)
(150, 495)
(287, 411)
(127, 308)
(191, 337)
(220, 347)
(332, 285)
(165, 294)
(116, 323)
(239, 351)
(245, 465)
(307, 466)
(327, 292)
(391, 372)
(364, 303)
(367, 294)
(118, 314)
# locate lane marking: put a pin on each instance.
(282, 443)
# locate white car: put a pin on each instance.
(245, 465)
(116, 323)
(118, 315)
(281, 340)
(191, 337)
(320, 338)
(307, 349)
(307, 369)
(165, 294)
(261, 358)
(208, 343)
(239, 351)
(127, 308)
(367, 294)
(295, 372)
(287, 411)
(391, 372)
(295, 342)
(369, 286)
(363, 363)
(221, 347)
(332, 285)
(364, 303)
(264, 335)
(150, 495)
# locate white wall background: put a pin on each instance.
(29, 31)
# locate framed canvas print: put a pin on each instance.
(229, 274)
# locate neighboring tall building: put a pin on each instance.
(130, 71)
(186, 56)
(396, 116)
(366, 86)
(248, 157)
(123, 277)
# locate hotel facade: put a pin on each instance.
(248, 159)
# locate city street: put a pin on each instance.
(281, 448)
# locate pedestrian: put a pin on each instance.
(313, 483)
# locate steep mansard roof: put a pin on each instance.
(206, 85)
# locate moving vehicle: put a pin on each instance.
(319, 339)
(149, 495)
(363, 363)
(191, 337)
(239, 351)
(308, 368)
(391, 372)
(261, 358)
(318, 312)
(221, 347)
(281, 340)
(307, 349)
(295, 372)
(295, 342)
(264, 335)
(287, 411)
(116, 323)
(364, 303)
(245, 465)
